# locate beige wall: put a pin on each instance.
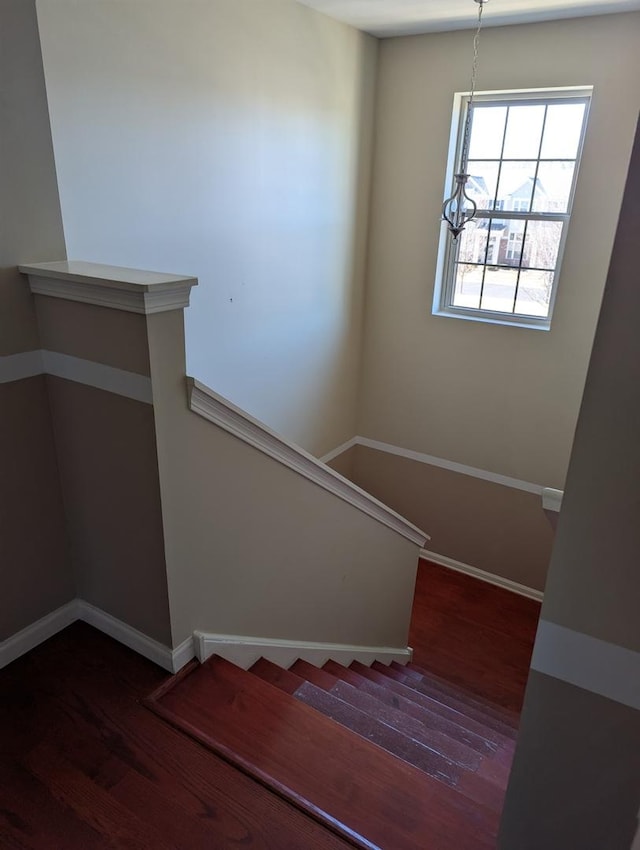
(228, 139)
(343, 464)
(106, 451)
(108, 466)
(90, 332)
(594, 577)
(577, 757)
(30, 221)
(35, 574)
(495, 528)
(497, 398)
(35, 570)
(255, 549)
(575, 782)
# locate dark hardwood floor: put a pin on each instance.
(473, 634)
(83, 764)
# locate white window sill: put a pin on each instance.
(495, 319)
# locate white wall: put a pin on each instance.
(497, 398)
(221, 138)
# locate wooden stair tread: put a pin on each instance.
(455, 751)
(418, 730)
(286, 680)
(462, 706)
(436, 722)
(365, 719)
(344, 673)
(433, 705)
(311, 673)
(394, 742)
(450, 689)
(363, 792)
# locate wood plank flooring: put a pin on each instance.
(84, 765)
(322, 767)
(473, 634)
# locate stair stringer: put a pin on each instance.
(245, 651)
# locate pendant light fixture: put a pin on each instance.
(460, 209)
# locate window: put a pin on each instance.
(524, 153)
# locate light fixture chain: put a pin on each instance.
(474, 75)
(460, 208)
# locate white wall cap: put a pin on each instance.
(552, 499)
(132, 290)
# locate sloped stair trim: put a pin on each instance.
(226, 415)
(482, 575)
(245, 651)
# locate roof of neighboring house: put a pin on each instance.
(524, 189)
(479, 184)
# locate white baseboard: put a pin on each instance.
(183, 654)
(245, 651)
(442, 463)
(157, 652)
(490, 578)
(35, 634)
(339, 450)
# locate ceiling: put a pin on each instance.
(405, 17)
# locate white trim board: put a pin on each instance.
(339, 450)
(589, 663)
(28, 364)
(451, 465)
(97, 375)
(552, 499)
(48, 626)
(33, 635)
(245, 651)
(17, 367)
(155, 651)
(221, 412)
(489, 578)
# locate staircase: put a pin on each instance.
(388, 757)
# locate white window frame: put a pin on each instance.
(447, 248)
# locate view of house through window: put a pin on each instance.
(523, 159)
